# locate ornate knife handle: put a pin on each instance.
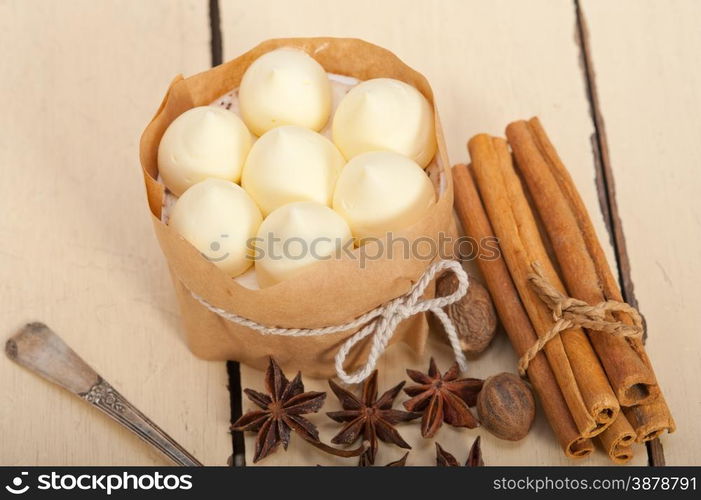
(38, 348)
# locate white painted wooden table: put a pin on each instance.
(80, 79)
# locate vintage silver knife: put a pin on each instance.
(38, 348)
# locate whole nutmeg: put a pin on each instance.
(473, 315)
(506, 407)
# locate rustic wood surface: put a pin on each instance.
(81, 79)
(646, 55)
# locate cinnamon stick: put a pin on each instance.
(631, 379)
(651, 420)
(514, 318)
(580, 376)
(654, 418)
(617, 440)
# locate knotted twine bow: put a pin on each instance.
(380, 322)
(569, 312)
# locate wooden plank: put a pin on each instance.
(489, 63)
(80, 81)
(645, 55)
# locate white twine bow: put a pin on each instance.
(380, 322)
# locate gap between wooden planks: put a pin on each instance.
(645, 56)
(489, 63)
(607, 194)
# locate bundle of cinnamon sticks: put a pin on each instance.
(592, 382)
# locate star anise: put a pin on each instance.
(474, 457)
(369, 417)
(399, 463)
(443, 398)
(281, 412)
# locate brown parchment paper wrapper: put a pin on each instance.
(330, 292)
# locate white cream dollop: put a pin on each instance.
(219, 219)
(289, 164)
(381, 192)
(202, 142)
(296, 236)
(285, 87)
(384, 114)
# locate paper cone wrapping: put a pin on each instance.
(330, 292)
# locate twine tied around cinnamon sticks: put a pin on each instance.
(569, 312)
(380, 322)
